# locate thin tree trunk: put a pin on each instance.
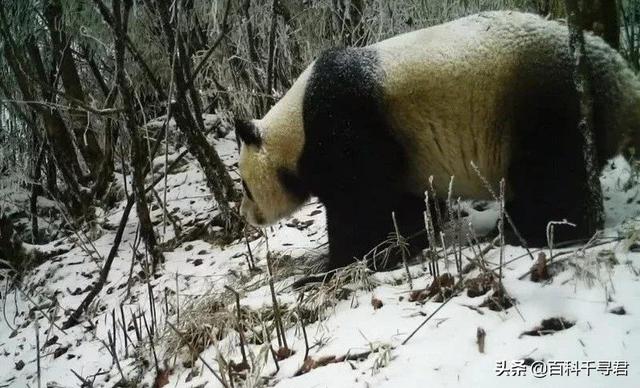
(601, 17)
(104, 272)
(253, 56)
(272, 49)
(594, 210)
(197, 39)
(36, 189)
(297, 60)
(216, 175)
(138, 155)
(58, 137)
(11, 249)
(52, 174)
(97, 74)
(215, 172)
(348, 16)
(105, 174)
(62, 55)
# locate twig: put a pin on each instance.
(114, 353)
(38, 307)
(4, 304)
(458, 284)
(252, 263)
(556, 255)
(123, 325)
(506, 214)
(85, 382)
(428, 318)
(436, 206)
(37, 327)
(223, 31)
(550, 229)
(304, 330)
(501, 231)
(152, 303)
(134, 250)
(282, 340)
(434, 268)
(272, 48)
(400, 242)
(136, 327)
(97, 287)
(240, 328)
(153, 348)
(177, 300)
(204, 362)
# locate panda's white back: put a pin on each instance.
(445, 85)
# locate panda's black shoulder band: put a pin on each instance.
(248, 132)
(293, 184)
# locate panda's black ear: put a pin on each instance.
(248, 132)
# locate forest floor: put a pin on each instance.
(578, 328)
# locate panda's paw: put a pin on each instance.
(313, 281)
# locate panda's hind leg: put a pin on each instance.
(548, 197)
(547, 175)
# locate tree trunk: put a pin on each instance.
(138, 154)
(12, 253)
(594, 210)
(52, 175)
(598, 16)
(36, 189)
(58, 137)
(348, 17)
(261, 104)
(105, 174)
(601, 17)
(197, 38)
(68, 71)
(216, 174)
(138, 163)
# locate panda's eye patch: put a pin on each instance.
(246, 190)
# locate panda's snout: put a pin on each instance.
(251, 213)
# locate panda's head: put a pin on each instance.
(268, 162)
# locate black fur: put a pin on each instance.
(352, 162)
(350, 159)
(293, 184)
(547, 173)
(248, 133)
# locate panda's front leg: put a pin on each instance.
(353, 231)
(356, 227)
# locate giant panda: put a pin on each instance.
(363, 129)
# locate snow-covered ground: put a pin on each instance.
(352, 343)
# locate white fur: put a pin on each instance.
(282, 141)
(448, 81)
(442, 85)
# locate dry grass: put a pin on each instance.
(203, 323)
(320, 300)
